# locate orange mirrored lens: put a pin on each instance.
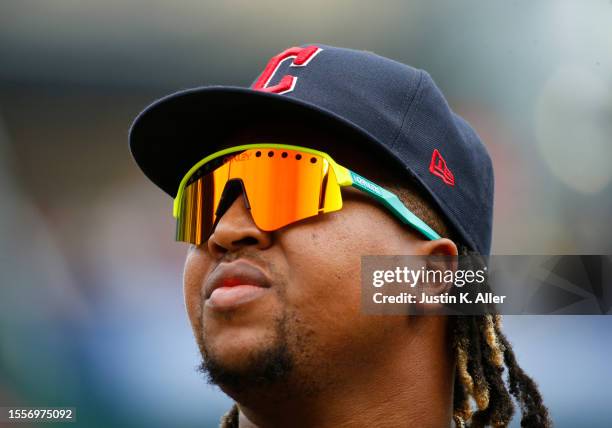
(282, 186)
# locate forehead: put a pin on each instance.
(345, 146)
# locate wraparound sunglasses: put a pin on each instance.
(281, 184)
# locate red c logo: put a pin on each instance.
(301, 57)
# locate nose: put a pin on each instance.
(236, 229)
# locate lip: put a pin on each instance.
(233, 284)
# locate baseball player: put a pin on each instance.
(279, 189)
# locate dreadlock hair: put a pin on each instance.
(482, 351)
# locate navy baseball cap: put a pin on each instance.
(396, 107)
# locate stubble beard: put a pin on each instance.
(261, 369)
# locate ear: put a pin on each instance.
(438, 247)
(438, 256)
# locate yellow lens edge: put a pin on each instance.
(343, 175)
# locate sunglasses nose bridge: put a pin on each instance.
(233, 188)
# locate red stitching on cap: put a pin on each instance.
(438, 167)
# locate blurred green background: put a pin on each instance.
(91, 309)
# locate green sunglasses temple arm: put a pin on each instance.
(392, 202)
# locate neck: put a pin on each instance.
(408, 383)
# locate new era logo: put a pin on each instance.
(438, 167)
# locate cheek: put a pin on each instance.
(193, 275)
(324, 258)
(324, 277)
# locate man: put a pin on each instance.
(278, 188)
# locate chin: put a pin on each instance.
(235, 348)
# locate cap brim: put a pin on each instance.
(175, 132)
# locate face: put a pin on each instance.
(306, 323)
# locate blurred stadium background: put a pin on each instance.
(91, 309)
